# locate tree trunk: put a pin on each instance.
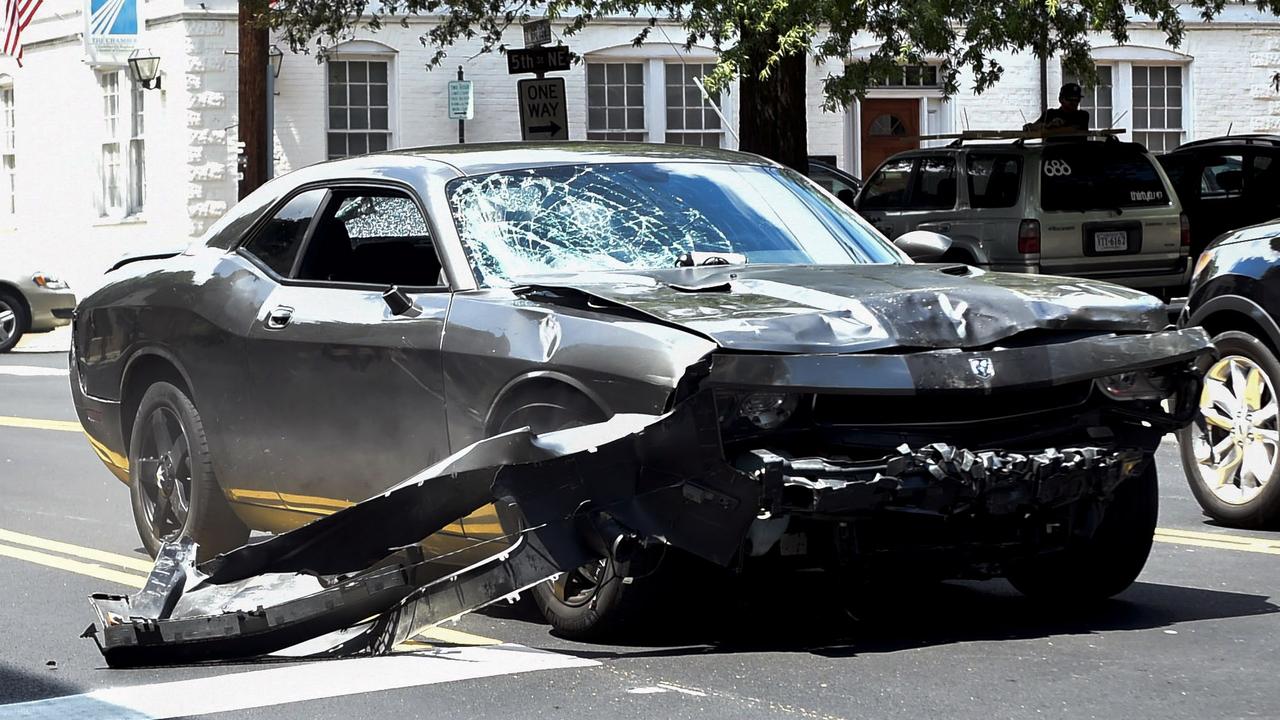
(771, 112)
(252, 129)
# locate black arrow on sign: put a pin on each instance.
(550, 128)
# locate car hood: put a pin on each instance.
(853, 308)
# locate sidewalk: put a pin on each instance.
(58, 341)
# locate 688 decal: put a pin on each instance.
(1056, 168)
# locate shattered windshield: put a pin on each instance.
(643, 216)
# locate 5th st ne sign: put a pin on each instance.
(543, 115)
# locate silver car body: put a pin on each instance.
(988, 236)
(47, 307)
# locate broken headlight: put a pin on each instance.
(763, 410)
(1135, 385)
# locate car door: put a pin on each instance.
(1262, 186)
(349, 394)
(884, 197)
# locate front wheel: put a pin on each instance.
(171, 480)
(1106, 563)
(1230, 453)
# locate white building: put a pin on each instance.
(95, 166)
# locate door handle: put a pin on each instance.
(279, 317)
(936, 227)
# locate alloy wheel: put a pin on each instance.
(8, 321)
(1238, 438)
(165, 474)
(577, 587)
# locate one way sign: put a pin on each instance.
(543, 115)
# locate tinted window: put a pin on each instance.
(1098, 176)
(1264, 183)
(935, 184)
(278, 242)
(1223, 176)
(994, 180)
(888, 187)
(373, 237)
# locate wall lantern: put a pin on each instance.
(145, 69)
(275, 58)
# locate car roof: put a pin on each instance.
(480, 158)
(1229, 140)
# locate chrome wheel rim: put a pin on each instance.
(165, 474)
(8, 322)
(1237, 439)
(577, 587)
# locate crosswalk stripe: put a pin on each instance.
(33, 371)
(293, 683)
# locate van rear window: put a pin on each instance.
(1099, 176)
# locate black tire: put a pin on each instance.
(174, 492)
(1263, 509)
(14, 322)
(1105, 564)
(591, 602)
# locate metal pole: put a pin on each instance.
(271, 120)
(462, 124)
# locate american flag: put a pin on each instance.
(17, 15)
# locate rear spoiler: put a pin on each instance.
(139, 258)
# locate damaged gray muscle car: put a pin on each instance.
(602, 354)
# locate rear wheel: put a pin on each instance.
(1106, 563)
(591, 601)
(1230, 453)
(173, 488)
(13, 321)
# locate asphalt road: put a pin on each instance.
(1196, 637)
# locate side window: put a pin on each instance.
(1264, 183)
(373, 236)
(935, 184)
(887, 189)
(277, 243)
(1222, 177)
(994, 180)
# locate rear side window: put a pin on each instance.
(1264, 183)
(1099, 176)
(994, 180)
(277, 243)
(935, 184)
(1222, 177)
(888, 187)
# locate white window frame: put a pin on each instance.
(645, 71)
(1122, 59)
(366, 51)
(655, 56)
(704, 107)
(8, 151)
(117, 138)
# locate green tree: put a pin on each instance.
(767, 43)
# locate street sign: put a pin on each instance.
(543, 115)
(537, 60)
(537, 33)
(461, 100)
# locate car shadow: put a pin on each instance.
(22, 685)
(928, 616)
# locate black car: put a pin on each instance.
(1230, 452)
(1225, 183)
(353, 322)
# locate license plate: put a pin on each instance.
(1111, 241)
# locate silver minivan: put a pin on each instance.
(1080, 207)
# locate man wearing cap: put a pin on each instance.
(1067, 116)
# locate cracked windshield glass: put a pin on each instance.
(645, 216)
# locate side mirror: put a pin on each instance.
(923, 245)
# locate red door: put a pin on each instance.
(888, 127)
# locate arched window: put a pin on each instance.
(361, 91)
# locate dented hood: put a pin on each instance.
(852, 308)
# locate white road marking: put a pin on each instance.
(33, 371)
(295, 683)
